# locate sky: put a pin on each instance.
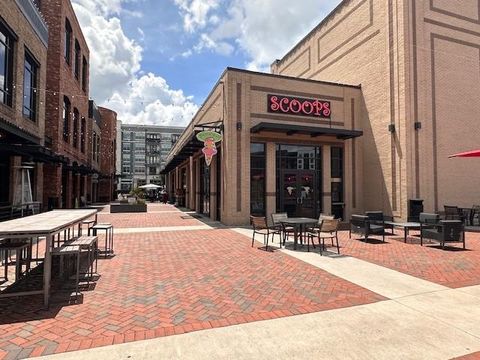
(155, 61)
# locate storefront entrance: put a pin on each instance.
(204, 188)
(299, 180)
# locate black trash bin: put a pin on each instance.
(415, 207)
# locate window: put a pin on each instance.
(83, 134)
(66, 119)
(98, 149)
(85, 74)
(94, 146)
(257, 179)
(6, 63)
(30, 72)
(76, 68)
(68, 41)
(76, 116)
(337, 162)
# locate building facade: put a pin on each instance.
(144, 150)
(414, 65)
(75, 130)
(23, 66)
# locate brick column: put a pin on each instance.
(326, 180)
(197, 184)
(52, 180)
(271, 179)
(69, 190)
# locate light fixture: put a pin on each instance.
(391, 128)
(418, 125)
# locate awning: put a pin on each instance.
(190, 148)
(35, 152)
(474, 153)
(313, 131)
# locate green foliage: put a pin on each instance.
(138, 193)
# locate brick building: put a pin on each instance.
(23, 65)
(413, 98)
(71, 130)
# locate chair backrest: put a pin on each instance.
(374, 215)
(359, 220)
(428, 218)
(329, 225)
(258, 222)
(452, 230)
(451, 212)
(278, 217)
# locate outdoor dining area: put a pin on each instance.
(53, 251)
(442, 229)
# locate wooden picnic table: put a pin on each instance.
(47, 225)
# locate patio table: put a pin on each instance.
(46, 225)
(407, 226)
(299, 224)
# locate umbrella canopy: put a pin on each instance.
(474, 153)
(150, 187)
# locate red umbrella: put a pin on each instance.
(474, 153)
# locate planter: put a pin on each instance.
(128, 208)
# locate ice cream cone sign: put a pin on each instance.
(209, 138)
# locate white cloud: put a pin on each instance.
(263, 29)
(116, 78)
(196, 13)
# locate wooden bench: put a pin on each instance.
(69, 250)
(89, 244)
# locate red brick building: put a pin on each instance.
(69, 126)
(23, 64)
(108, 146)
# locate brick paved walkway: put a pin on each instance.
(453, 267)
(169, 283)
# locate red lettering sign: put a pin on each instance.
(299, 106)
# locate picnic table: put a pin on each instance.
(47, 224)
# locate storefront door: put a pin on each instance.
(298, 195)
(298, 180)
(204, 188)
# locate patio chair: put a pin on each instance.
(453, 213)
(475, 214)
(378, 218)
(328, 229)
(361, 224)
(260, 226)
(445, 231)
(285, 230)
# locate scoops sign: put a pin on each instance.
(299, 106)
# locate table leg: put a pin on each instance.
(295, 237)
(47, 269)
(18, 264)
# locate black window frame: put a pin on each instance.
(83, 134)
(29, 110)
(68, 42)
(66, 118)
(6, 93)
(76, 61)
(258, 167)
(76, 124)
(84, 73)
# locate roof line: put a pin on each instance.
(292, 78)
(314, 30)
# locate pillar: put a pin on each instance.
(326, 180)
(271, 179)
(213, 187)
(197, 184)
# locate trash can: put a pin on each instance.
(415, 207)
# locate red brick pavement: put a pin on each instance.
(473, 356)
(169, 283)
(161, 216)
(452, 267)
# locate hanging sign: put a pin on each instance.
(299, 106)
(209, 138)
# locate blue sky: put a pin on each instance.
(155, 61)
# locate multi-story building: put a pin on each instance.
(23, 65)
(300, 141)
(144, 152)
(72, 132)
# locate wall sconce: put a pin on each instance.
(239, 125)
(417, 125)
(391, 128)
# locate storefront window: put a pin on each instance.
(30, 87)
(336, 159)
(257, 179)
(6, 62)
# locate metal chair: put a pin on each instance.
(361, 225)
(260, 226)
(453, 213)
(277, 219)
(378, 218)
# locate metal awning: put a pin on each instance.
(35, 152)
(313, 131)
